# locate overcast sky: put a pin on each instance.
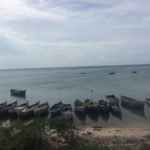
(55, 33)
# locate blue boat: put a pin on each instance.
(131, 103)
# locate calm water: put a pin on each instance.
(67, 84)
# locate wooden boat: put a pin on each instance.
(103, 106)
(25, 113)
(56, 109)
(67, 112)
(148, 100)
(116, 111)
(12, 112)
(113, 100)
(3, 104)
(41, 110)
(132, 103)
(114, 106)
(91, 106)
(23, 104)
(18, 93)
(11, 109)
(12, 104)
(79, 106)
(3, 109)
(34, 104)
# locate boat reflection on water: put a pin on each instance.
(93, 116)
(104, 116)
(80, 116)
(136, 111)
(117, 114)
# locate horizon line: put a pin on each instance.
(59, 67)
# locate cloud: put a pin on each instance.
(38, 33)
(18, 10)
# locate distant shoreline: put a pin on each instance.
(74, 67)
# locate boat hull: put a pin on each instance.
(131, 103)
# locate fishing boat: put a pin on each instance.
(18, 93)
(12, 104)
(103, 106)
(79, 106)
(116, 111)
(148, 100)
(132, 103)
(56, 109)
(12, 112)
(41, 110)
(113, 100)
(91, 106)
(23, 104)
(11, 109)
(3, 104)
(25, 113)
(114, 106)
(34, 104)
(67, 112)
(3, 109)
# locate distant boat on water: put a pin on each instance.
(134, 71)
(18, 93)
(112, 73)
(83, 73)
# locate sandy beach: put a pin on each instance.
(120, 138)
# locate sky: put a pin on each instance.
(59, 33)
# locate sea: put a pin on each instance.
(71, 83)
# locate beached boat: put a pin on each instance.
(4, 112)
(91, 106)
(3, 109)
(23, 104)
(116, 111)
(67, 112)
(113, 100)
(132, 103)
(34, 104)
(114, 106)
(11, 109)
(3, 104)
(25, 113)
(12, 104)
(79, 106)
(103, 106)
(56, 109)
(41, 110)
(18, 93)
(12, 112)
(148, 100)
